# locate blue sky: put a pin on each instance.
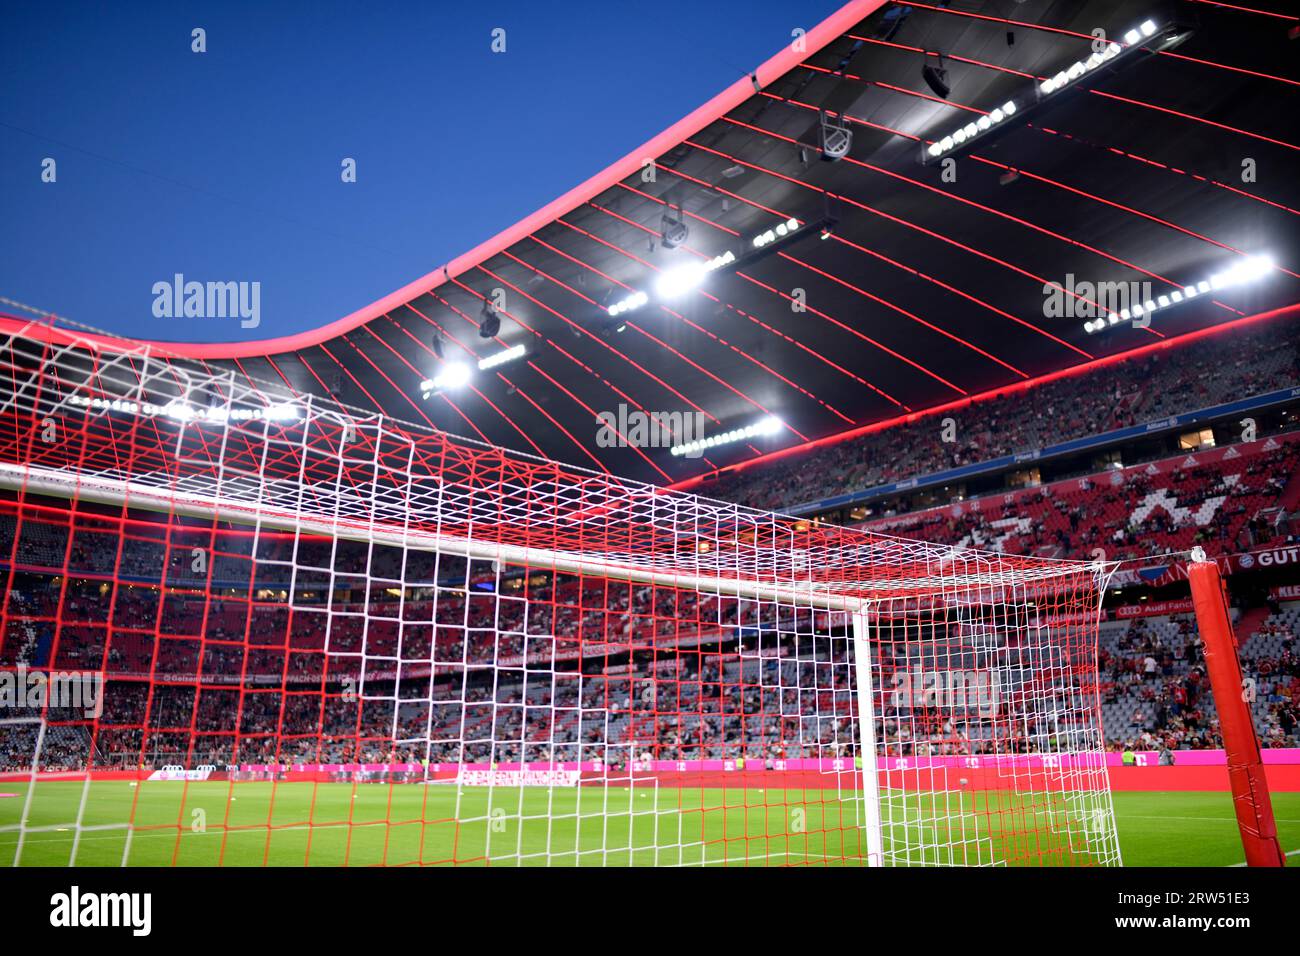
(225, 165)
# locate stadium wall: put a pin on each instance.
(1196, 770)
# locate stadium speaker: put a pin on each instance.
(490, 327)
(835, 139)
(936, 78)
(674, 229)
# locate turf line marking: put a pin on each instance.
(378, 823)
(1292, 853)
(1135, 816)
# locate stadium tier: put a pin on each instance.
(1228, 501)
(1146, 392)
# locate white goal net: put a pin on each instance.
(330, 637)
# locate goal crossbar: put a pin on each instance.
(811, 593)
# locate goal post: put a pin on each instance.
(867, 738)
(328, 636)
(1249, 785)
(19, 735)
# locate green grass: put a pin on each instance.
(1194, 829)
(211, 823)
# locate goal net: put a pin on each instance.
(328, 637)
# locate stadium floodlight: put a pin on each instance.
(970, 131)
(511, 354)
(633, 301)
(675, 282)
(776, 232)
(453, 375)
(180, 410)
(113, 404)
(768, 425)
(1250, 269)
(1079, 68)
(1112, 55)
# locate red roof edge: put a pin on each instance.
(818, 37)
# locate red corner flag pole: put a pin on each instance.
(1245, 766)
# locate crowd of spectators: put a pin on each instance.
(1225, 507)
(1188, 377)
(354, 667)
(680, 706)
(221, 646)
(1157, 693)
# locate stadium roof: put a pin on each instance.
(907, 285)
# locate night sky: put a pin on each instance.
(226, 165)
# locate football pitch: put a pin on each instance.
(335, 824)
